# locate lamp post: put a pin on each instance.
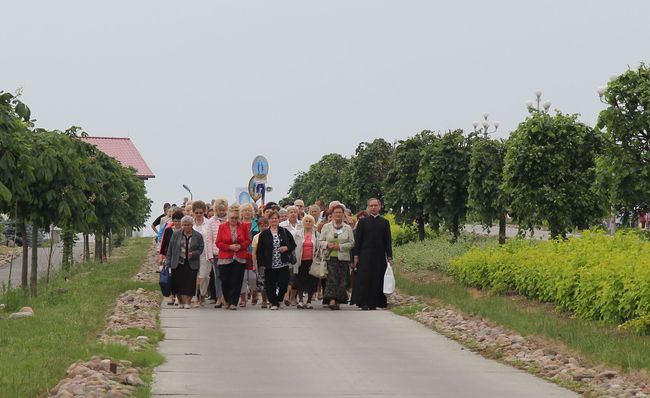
(188, 190)
(486, 126)
(546, 104)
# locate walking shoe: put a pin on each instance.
(187, 306)
(309, 306)
(274, 308)
(300, 306)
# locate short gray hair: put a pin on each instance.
(187, 219)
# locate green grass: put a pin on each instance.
(68, 315)
(597, 342)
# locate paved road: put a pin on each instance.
(43, 254)
(320, 353)
(511, 231)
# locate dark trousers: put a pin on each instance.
(212, 291)
(276, 281)
(232, 277)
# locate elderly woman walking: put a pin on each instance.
(176, 216)
(338, 238)
(233, 239)
(183, 257)
(201, 226)
(274, 253)
(247, 212)
(220, 207)
(306, 248)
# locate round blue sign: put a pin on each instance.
(260, 166)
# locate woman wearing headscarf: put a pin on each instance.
(220, 216)
(337, 237)
(183, 258)
(274, 253)
(233, 239)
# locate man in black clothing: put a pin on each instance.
(156, 222)
(373, 249)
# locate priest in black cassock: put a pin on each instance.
(373, 249)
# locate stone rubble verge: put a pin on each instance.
(551, 363)
(149, 270)
(98, 378)
(135, 309)
(106, 377)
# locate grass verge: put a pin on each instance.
(68, 315)
(595, 341)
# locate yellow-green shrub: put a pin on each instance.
(595, 276)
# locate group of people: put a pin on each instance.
(231, 254)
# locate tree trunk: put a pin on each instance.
(23, 277)
(502, 228)
(49, 255)
(33, 277)
(98, 250)
(68, 243)
(86, 248)
(110, 243)
(421, 232)
(104, 244)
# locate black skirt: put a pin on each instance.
(306, 282)
(184, 279)
(337, 281)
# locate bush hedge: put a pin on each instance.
(595, 276)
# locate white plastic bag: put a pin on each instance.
(389, 280)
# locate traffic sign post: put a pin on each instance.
(257, 183)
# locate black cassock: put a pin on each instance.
(373, 246)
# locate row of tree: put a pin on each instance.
(553, 170)
(53, 178)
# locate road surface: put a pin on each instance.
(43, 254)
(323, 353)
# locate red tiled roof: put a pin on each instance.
(123, 150)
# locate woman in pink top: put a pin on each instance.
(306, 245)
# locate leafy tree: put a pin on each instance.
(324, 180)
(549, 170)
(401, 181)
(486, 197)
(442, 180)
(368, 169)
(624, 166)
(16, 166)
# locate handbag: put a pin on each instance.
(318, 267)
(165, 285)
(389, 280)
(292, 258)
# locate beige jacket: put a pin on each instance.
(345, 239)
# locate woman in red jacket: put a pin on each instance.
(233, 239)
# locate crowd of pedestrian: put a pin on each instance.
(233, 255)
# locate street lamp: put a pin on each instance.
(546, 104)
(486, 126)
(188, 190)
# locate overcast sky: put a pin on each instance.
(201, 87)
